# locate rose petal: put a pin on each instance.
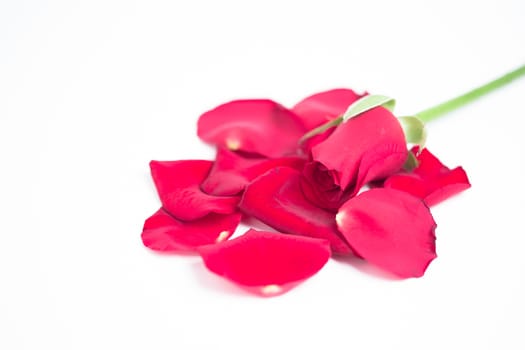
(448, 185)
(317, 109)
(317, 185)
(163, 232)
(276, 199)
(255, 126)
(178, 185)
(266, 263)
(365, 148)
(324, 106)
(391, 229)
(232, 171)
(431, 180)
(429, 164)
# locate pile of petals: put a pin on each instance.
(315, 193)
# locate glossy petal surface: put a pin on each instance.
(163, 232)
(276, 199)
(178, 186)
(391, 229)
(255, 126)
(431, 180)
(266, 263)
(233, 171)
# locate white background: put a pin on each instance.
(91, 91)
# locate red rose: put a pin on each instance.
(368, 147)
(261, 170)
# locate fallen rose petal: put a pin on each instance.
(428, 163)
(163, 232)
(391, 229)
(276, 199)
(319, 108)
(263, 127)
(447, 186)
(431, 180)
(368, 147)
(266, 263)
(232, 172)
(178, 185)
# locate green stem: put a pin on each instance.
(457, 102)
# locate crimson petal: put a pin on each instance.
(178, 186)
(255, 126)
(276, 199)
(163, 232)
(391, 229)
(318, 186)
(317, 109)
(232, 171)
(266, 263)
(431, 180)
(324, 106)
(365, 148)
(429, 164)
